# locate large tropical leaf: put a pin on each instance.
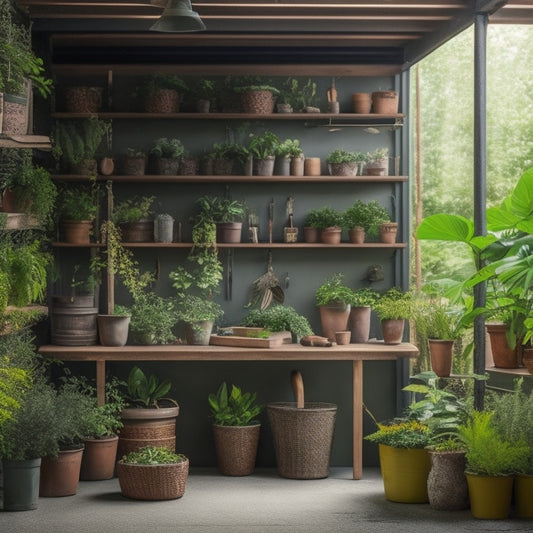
(445, 227)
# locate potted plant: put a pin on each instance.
(333, 300)
(205, 91)
(226, 214)
(491, 461)
(263, 147)
(328, 221)
(235, 429)
(167, 153)
(377, 162)
(289, 99)
(257, 99)
(195, 287)
(152, 319)
(75, 144)
(18, 64)
(288, 150)
(363, 219)
(28, 188)
(78, 207)
(153, 473)
(360, 313)
(279, 318)
(343, 162)
(393, 308)
(149, 419)
(132, 216)
(403, 458)
(162, 93)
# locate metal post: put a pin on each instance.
(480, 175)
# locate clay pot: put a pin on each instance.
(359, 323)
(113, 329)
(362, 103)
(392, 331)
(502, 354)
(385, 102)
(312, 166)
(333, 318)
(140, 231)
(357, 235)
(331, 235)
(310, 234)
(229, 232)
(77, 231)
(98, 461)
(441, 353)
(60, 476)
(388, 232)
(342, 337)
(297, 166)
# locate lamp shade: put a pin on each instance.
(178, 16)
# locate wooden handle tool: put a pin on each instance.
(298, 388)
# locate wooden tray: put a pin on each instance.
(239, 338)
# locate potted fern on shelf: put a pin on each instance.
(393, 308)
(333, 300)
(235, 429)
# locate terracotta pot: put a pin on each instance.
(310, 234)
(490, 496)
(106, 166)
(447, 486)
(343, 169)
(441, 353)
(385, 102)
(342, 337)
(527, 359)
(392, 331)
(388, 232)
(60, 476)
(12, 204)
(141, 231)
(377, 168)
(229, 232)
(236, 448)
(199, 333)
(99, 456)
(77, 231)
(331, 235)
(333, 318)
(502, 354)
(147, 427)
(359, 323)
(113, 329)
(405, 473)
(162, 101)
(312, 166)
(357, 235)
(362, 102)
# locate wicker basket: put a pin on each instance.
(257, 102)
(236, 448)
(126, 446)
(302, 438)
(153, 482)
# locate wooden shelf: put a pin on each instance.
(393, 119)
(21, 221)
(155, 178)
(40, 142)
(267, 245)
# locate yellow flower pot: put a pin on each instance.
(490, 496)
(405, 473)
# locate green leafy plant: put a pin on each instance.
(279, 318)
(235, 408)
(165, 147)
(364, 297)
(323, 217)
(377, 155)
(333, 291)
(192, 308)
(78, 202)
(488, 452)
(402, 434)
(163, 81)
(394, 304)
(369, 216)
(146, 391)
(263, 145)
(229, 150)
(216, 209)
(152, 319)
(436, 319)
(290, 148)
(133, 209)
(153, 455)
(343, 156)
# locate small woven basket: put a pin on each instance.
(236, 448)
(153, 482)
(303, 438)
(257, 102)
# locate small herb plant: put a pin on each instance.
(133, 209)
(436, 320)
(146, 391)
(152, 319)
(323, 217)
(170, 148)
(234, 409)
(79, 202)
(153, 455)
(343, 156)
(333, 291)
(402, 434)
(364, 297)
(394, 304)
(263, 145)
(216, 209)
(290, 148)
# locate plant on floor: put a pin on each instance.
(234, 408)
(153, 455)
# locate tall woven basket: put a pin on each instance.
(303, 435)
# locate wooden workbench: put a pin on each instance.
(357, 353)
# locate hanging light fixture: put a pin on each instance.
(178, 16)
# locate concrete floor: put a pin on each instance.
(262, 502)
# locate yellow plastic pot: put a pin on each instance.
(490, 496)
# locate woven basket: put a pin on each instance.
(153, 482)
(236, 448)
(159, 431)
(302, 438)
(126, 446)
(257, 102)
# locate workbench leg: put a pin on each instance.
(100, 382)
(357, 392)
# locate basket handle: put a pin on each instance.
(298, 388)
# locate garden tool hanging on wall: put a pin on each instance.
(266, 289)
(290, 233)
